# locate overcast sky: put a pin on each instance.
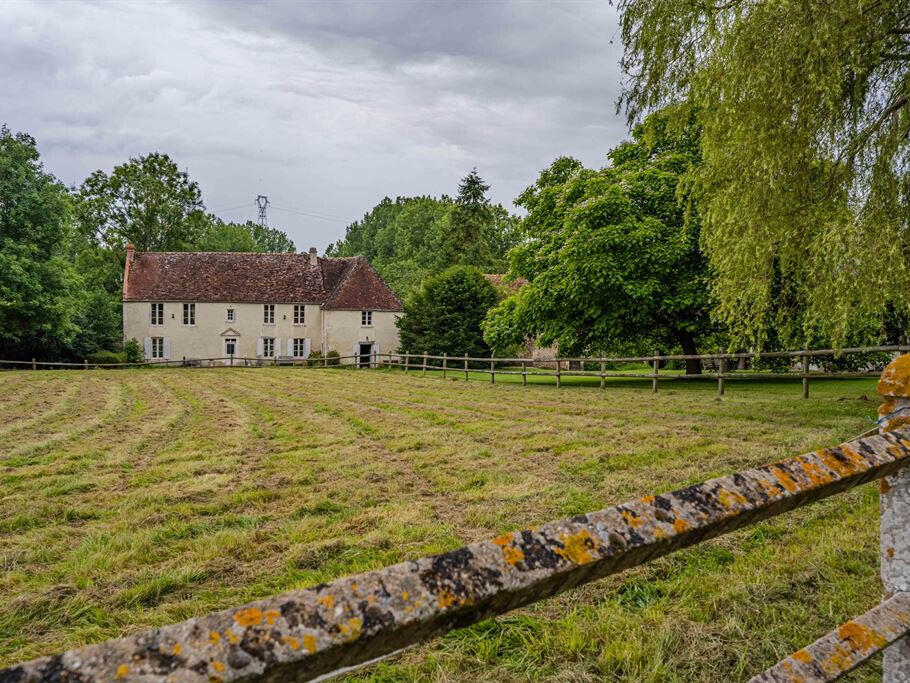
(324, 107)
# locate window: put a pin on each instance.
(268, 314)
(268, 347)
(300, 348)
(230, 315)
(299, 314)
(230, 345)
(157, 314)
(157, 347)
(366, 318)
(189, 314)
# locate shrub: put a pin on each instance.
(315, 359)
(334, 357)
(132, 351)
(105, 358)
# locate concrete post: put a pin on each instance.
(558, 373)
(34, 366)
(445, 364)
(492, 371)
(894, 387)
(466, 367)
(721, 370)
(603, 367)
(805, 373)
(655, 366)
(424, 373)
(524, 372)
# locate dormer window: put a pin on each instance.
(268, 314)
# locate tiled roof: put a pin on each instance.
(250, 277)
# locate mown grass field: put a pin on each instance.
(131, 499)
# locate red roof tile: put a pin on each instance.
(251, 277)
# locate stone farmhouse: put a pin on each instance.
(204, 305)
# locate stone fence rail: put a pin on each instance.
(328, 629)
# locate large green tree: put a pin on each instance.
(411, 238)
(213, 234)
(804, 108)
(444, 314)
(612, 263)
(148, 201)
(37, 282)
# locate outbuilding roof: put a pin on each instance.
(339, 283)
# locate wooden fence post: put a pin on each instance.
(85, 363)
(445, 363)
(34, 365)
(805, 375)
(407, 361)
(894, 387)
(466, 367)
(424, 373)
(656, 365)
(558, 373)
(721, 369)
(603, 367)
(492, 371)
(524, 373)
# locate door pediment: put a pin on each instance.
(230, 332)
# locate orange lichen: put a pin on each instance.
(512, 555)
(503, 539)
(842, 468)
(232, 637)
(895, 380)
(632, 519)
(883, 485)
(647, 500)
(404, 595)
(446, 598)
(123, 670)
(659, 533)
(858, 460)
(177, 648)
(218, 666)
(730, 499)
(351, 629)
(860, 637)
(785, 480)
(326, 601)
(816, 474)
(802, 656)
(291, 642)
(838, 661)
(271, 616)
(680, 525)
(248, 617)
(309, 643)
(214, 638)
(577, 547)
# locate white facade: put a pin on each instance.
(203, 330)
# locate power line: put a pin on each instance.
(233, 208)
(312, 214)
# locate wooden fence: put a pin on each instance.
(330, 628)
(721, 365)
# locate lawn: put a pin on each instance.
(131, 499)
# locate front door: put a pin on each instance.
(230, 346)
(366, 351)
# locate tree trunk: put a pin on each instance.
(687, 342)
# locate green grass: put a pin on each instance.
(132, 499)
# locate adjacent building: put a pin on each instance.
(204, 305)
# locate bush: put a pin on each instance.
(132, 351)
(105, 358)
(334, 357)
(315, 359)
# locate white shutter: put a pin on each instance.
(167, 347)
(277, 347)
(356, 353)
(306, 347)
(376, 352)
(259, 347)
(147, 347)
(290, 350)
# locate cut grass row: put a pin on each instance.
(138, 498)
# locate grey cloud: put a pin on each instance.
(323, 106)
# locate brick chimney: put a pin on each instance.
(314, 259)
(130, 253)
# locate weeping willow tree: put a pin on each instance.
(803, 189)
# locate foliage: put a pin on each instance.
(411, 238)
(314, 359)
(37, 301)
(805, 112)
(132, 351)
(612, 263)
(147, 201)
(333, 357)
(103, 357)
(213, 234)
(444, 314)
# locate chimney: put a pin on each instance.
(314, 260)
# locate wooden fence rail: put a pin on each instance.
(525, 368)
(325, 630)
